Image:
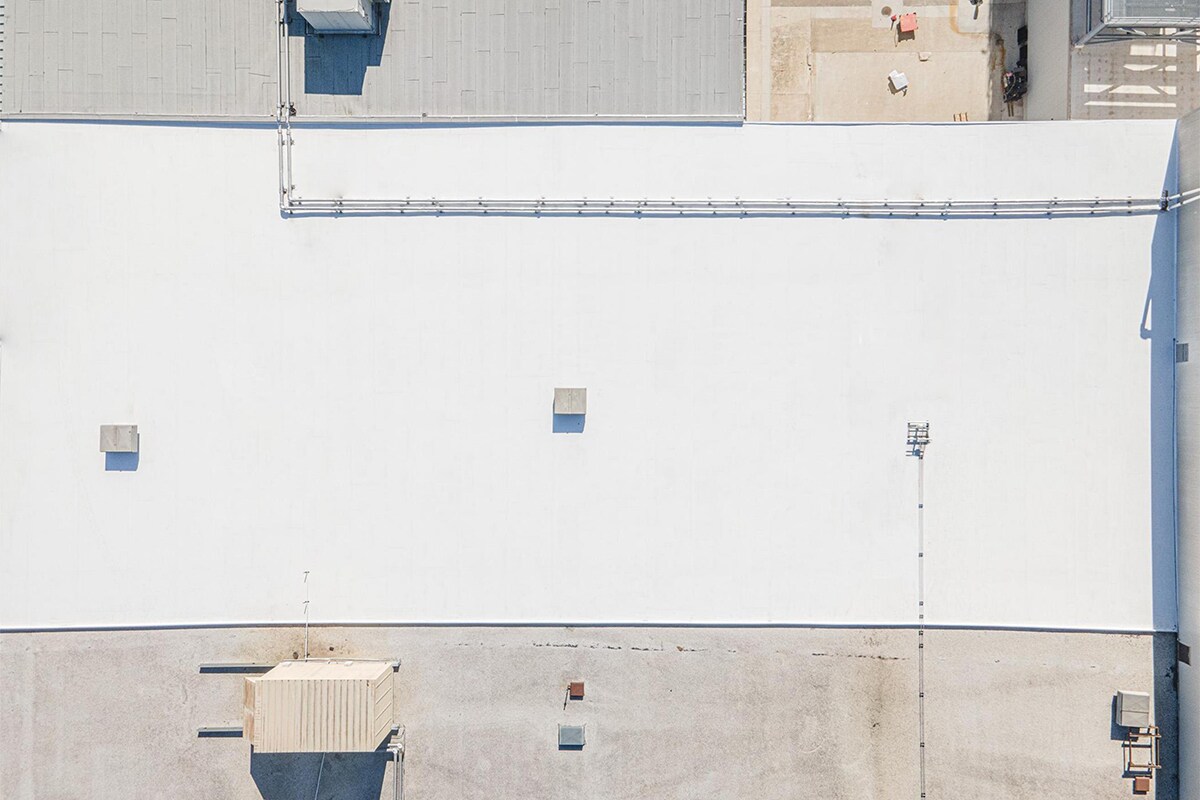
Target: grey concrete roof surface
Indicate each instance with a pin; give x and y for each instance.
(432, 58)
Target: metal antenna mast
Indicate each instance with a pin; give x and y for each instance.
(918, 440)
(306, 614)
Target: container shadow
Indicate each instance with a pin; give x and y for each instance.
(319, 776)
(338, 63)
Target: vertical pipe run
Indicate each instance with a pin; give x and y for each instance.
(286, 81)
(284, 109)
(280, 108)
(397, 749)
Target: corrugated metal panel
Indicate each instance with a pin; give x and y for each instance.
(1154, 9)
(436, 58)
(141, 57)
(320, 707)
(383, 712)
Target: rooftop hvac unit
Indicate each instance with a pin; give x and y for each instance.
(1133, 709)
(338, 16)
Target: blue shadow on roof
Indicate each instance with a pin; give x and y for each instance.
(120, 462)
(569, 423)
(337, 63)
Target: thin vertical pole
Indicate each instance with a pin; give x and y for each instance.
(305, 615)
(320, 772)
(921, 613)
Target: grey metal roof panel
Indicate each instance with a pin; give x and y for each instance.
(438, 58)
(1154, 9)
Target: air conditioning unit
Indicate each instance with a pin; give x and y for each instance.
(1133, 709)
(338, 16)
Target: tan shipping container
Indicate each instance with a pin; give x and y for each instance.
(319, 707)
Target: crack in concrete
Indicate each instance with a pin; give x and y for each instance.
(862, 655)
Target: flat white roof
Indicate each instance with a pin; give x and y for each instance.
(369, 399)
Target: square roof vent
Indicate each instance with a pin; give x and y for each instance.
(570, 401)
(118, 439)
(570, 736)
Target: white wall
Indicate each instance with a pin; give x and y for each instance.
(1188, 413)
(369, 399)
(1050, 49)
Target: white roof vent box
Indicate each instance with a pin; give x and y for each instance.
(118, 438)
(570, 401)
(339, 16)
(1133, 709)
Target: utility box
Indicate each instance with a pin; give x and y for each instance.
(118, 439)
(1133, 709)
(571, 736)
(338, 16)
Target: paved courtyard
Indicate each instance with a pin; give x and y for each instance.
(829, 60)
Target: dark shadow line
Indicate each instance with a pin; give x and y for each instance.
(219, 733)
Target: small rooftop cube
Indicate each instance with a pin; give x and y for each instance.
(570, 401)
(118, 438)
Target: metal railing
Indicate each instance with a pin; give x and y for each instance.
(292, 205)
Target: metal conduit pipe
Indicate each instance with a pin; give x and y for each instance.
(287, 111)
(290, 205)
(397, 751)
(737, 207)
(672, 204)
(281, 110)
